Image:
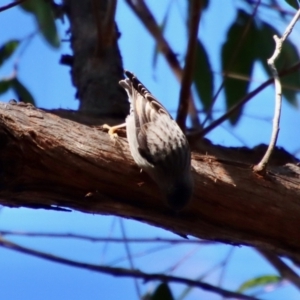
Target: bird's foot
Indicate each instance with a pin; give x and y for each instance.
(112, 130)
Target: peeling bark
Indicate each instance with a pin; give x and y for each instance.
(51, 162)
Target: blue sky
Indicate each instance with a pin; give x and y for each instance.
(25, 277)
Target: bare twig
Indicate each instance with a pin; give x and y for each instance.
(224, 265)
(261, 166)
(188, 71)
(122, 272)
(13, 4)
(273, 6)
(181, 261)
(129, 256)
(140, 8)
(283, 269)
(206, 274)
(106, 239)
(139, 254)
(244, 100)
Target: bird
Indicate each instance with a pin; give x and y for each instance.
(157, 144)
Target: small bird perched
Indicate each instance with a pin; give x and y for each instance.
(157, 144)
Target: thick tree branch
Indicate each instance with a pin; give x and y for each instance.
(50, 162)
(96, 62)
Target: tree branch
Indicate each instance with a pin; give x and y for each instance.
(122, 272)
(244, 100)
(104, 239)
(11, 5)
(144, 14)
(188, 71)
(261, 166)
(50, 162)
(231, 62)
(96, 63)
(283, 269)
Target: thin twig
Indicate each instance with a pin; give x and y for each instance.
(272, 6)
(11, 5)
(243, 101)
(140, 8)
(122, 272)
(141, 253)
(206, 274)
(182, 260)
(188, 71)
(283, 269)
(129, 256)
(261, 166)
(106, 239)
(224, 265)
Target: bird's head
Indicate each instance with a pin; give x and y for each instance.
(180, 192)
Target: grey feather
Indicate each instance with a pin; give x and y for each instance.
(157, 144)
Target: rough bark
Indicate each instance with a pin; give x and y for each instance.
(96, 62)
(51, 162)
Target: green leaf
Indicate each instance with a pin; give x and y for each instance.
(238, 57)
(162, 292)
(5, 85)
(293, 3)
(288, 56)
(259, 282)
(203, 77)
(43, 13)
(22, 92)
(8, 49)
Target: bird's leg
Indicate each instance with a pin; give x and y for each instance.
(112, 130)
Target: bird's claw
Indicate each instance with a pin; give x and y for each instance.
(111, 131)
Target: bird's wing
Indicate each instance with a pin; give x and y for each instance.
(153, 123)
